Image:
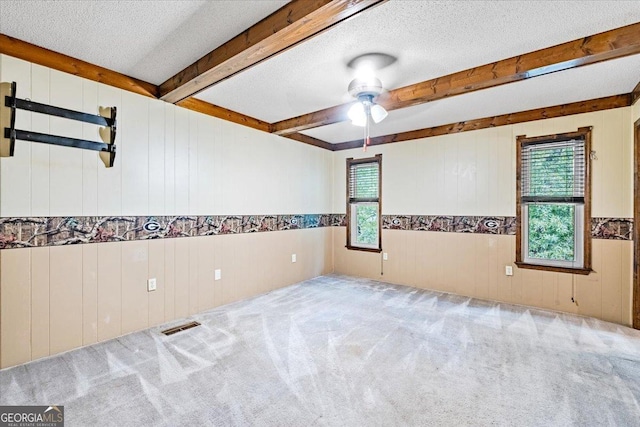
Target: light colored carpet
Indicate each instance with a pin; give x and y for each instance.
(342, 351)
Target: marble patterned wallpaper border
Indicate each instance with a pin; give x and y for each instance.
(54, 231)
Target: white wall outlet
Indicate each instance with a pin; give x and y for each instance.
(385, 256)
(293, 258)
(508, 270)
(217, 274)
(151, 285)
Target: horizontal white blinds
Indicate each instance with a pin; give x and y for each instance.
(553, 172)
(363, 182)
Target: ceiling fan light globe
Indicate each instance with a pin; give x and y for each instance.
(357, 114)
(378, 113)
(359, 122)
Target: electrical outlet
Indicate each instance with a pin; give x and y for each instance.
(508, 270)
(385, 256)
(293, 258)
(151, 285)
(217, 274)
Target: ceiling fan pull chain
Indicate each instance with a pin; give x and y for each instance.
(366, 142)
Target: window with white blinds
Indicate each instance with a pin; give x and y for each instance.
(363, 182)
(553, 197)
(553, 172)
(363, 204)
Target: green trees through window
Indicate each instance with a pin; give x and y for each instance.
(367, 223)
(551, 231)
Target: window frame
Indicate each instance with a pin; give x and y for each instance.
(583, 241)
(351, 162)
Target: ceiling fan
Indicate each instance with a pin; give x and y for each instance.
(366, 87)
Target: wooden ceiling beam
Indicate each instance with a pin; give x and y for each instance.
(306, 139)
(48, 58)
(613, 44)
(635, 94)
(607, 103)
(204, 107)
(294, 23)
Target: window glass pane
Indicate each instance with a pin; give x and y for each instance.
(367, 224)
(551, 231)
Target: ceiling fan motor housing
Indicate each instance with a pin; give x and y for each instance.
(365, 89)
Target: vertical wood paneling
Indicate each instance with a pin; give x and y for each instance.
(481, 266)
(40, 87)
(607, 142)
(496, 266)
(65, 301)
(134, 150)
(612, 255)
(15, 307)
(109, 290)
(550, 290)
(217, 284)
(192, 278)
(466, 172)
(39, 303)
(169, 160)
(89, 294)
(451, 167)
(90, 159)
(193, 165)
(626, 298)
(245, 278)
(157, 267)
(233, 177)
(206, 166)
(588, 289)
(15, 174)
(135, 301)
(507, 257)
(65, 163)
(156, 153)
(227, 258)
(169, 279)
(217, 139)
(627, 166)
(427, 177)
(181, 306)
(110, 179)
(181, 160)
(506, 167)
(265, 273)
(206, 254)
(483, 172)
(426, 266)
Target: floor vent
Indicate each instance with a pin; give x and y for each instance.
(180, 328)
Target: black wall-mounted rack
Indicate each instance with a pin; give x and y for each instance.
(9, 103)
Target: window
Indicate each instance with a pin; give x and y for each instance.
(363, 203)
(553, 202)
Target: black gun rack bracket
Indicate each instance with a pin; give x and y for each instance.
(9, 104)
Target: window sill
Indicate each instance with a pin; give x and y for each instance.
(583, 271)
(357, 248)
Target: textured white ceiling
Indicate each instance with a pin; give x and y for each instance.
(594, 81)
(153, 40)
(149, 40)
(430, 39)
